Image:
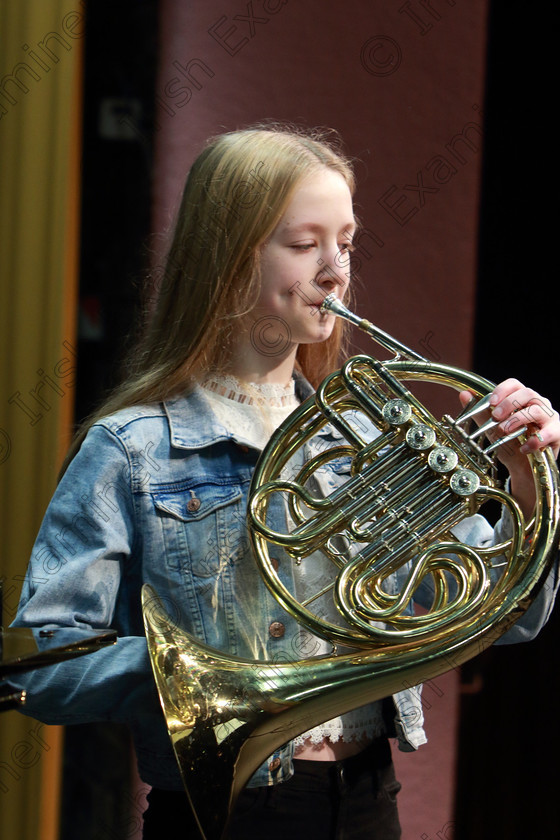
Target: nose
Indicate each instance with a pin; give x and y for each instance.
(334, 271)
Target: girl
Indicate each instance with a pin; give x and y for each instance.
(155, 487)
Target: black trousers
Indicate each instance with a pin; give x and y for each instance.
(354, 799)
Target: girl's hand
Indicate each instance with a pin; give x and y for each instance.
(514, 406)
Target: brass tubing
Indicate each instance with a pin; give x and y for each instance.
(226, 715)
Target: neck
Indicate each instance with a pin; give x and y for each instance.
(261, 369)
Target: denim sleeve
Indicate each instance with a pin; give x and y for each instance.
(83, 573)
(536, 616)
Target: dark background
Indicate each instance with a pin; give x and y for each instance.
(98, 799)
(508, 735)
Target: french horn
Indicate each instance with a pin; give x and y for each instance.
(409, 481)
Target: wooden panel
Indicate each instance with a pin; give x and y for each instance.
(40, 123)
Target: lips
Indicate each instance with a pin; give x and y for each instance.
(316, 308)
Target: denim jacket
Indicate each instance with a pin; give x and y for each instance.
(157, 494)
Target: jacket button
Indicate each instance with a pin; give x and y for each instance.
(276, 629)
(274, 764)
(193, 504)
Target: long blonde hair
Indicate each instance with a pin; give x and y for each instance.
(235, 194)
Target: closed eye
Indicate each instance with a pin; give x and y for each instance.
(303, 246)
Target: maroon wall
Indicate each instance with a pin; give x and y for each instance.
(403, 83)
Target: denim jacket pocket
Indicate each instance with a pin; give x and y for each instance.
(202, 523)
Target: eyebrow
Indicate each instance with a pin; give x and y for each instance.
(312, 226)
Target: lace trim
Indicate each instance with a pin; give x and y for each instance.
(363, 724)
(249, 411)
(251, 393)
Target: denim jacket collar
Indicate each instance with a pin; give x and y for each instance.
(185, 429)
(187, 432)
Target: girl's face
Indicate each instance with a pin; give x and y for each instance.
(305, 259)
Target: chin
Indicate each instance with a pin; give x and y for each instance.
(318, 336)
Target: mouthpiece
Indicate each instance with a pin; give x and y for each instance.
(332, 304)
(328, 301)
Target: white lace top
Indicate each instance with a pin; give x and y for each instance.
(253, 411)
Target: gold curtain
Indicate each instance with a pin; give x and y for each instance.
(40, 128)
